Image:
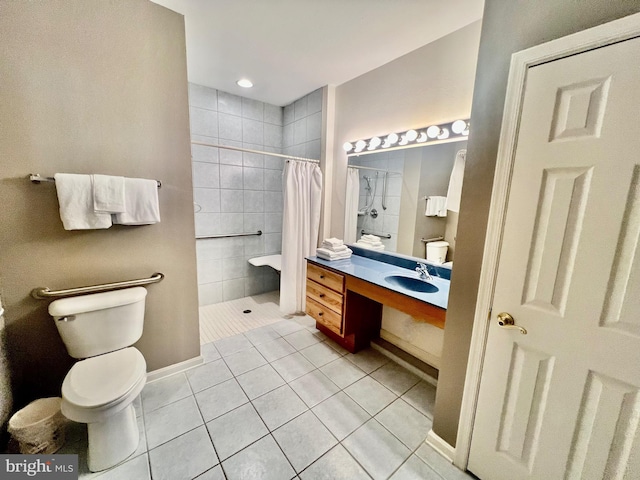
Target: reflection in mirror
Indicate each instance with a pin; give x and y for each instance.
(392, 191)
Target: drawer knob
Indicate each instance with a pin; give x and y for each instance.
(319, 314)
(321, 276)
(321, 295)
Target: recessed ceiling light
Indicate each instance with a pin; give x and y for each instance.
(245, 83)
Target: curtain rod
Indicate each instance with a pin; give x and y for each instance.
(369, 168)
(259, 152)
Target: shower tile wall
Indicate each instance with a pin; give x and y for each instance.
(387, 220)
(235, 192)
(303, 126)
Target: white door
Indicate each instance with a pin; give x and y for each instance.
(563, 401)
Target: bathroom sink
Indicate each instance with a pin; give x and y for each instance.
(411, 283)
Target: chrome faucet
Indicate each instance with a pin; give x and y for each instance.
(423, 271)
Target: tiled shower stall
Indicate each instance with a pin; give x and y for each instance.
(240, 192)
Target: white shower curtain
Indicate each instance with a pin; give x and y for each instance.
(302, 187)
(351, 206)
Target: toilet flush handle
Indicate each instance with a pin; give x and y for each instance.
(66, 318)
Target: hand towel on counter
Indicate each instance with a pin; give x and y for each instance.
(333, 242)
(108, 194)
(371, 242)
(334, 245)
(436, 207)
(331, 255)
(141, 202)
(75, 197)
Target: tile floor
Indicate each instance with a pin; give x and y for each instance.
(281, 402)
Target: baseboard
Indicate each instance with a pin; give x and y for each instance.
(175, 368)
(416, 366)
(440, 446)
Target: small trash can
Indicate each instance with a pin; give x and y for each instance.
(39, 427)
(437, 251)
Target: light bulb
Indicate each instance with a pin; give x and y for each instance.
(466, 130)
(347, 146)
(392, 138)
(458, 126)
(433, 131)
(386, 144)
(360, 144)
(374, 143)
(444, 133)
(403, 140)
(422, 137)
(411, 135)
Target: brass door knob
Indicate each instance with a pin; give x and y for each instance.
(505, 320)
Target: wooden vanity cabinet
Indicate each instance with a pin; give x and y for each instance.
(351, 320)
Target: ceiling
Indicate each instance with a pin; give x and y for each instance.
(289, 48)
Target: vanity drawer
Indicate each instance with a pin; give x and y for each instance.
(325, 277)
(324, 315)
(325, 296)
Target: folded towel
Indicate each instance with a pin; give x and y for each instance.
(75, 197)
(141, 200)
(330, 255)
(370, 238)
(108, 194)
(371, 241)
(334, 242)
(370, 246)
(340, 248)
(436, 206)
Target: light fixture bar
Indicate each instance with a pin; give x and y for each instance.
(440, 133)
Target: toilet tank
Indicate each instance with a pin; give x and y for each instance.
(91, 325)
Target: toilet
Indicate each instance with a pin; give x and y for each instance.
(99, 390)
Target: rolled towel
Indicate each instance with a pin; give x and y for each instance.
(75, 197)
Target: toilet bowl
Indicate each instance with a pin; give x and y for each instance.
(99, 390)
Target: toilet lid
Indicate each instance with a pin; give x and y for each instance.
(98, 381)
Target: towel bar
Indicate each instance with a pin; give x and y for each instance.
(36, 178)
(42, 293)
(381, 235)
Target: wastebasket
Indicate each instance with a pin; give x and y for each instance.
(437, 251)
(39, 427)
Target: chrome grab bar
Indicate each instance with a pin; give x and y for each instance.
(227, 235)
(434, 239)
(42, 293)
(381, 235)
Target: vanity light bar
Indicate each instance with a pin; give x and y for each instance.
(433, 133)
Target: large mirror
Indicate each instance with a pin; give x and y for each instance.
(400, 195)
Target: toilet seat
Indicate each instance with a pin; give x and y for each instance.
(98, 382)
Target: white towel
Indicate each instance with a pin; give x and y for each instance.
(330, 255)
(339, 248)
(455, 182)
(370, 246)
(75, 197)
(436, 206)
(141, 200)
(334, 242)
(108, 194)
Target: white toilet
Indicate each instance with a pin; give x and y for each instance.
(99, 390)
